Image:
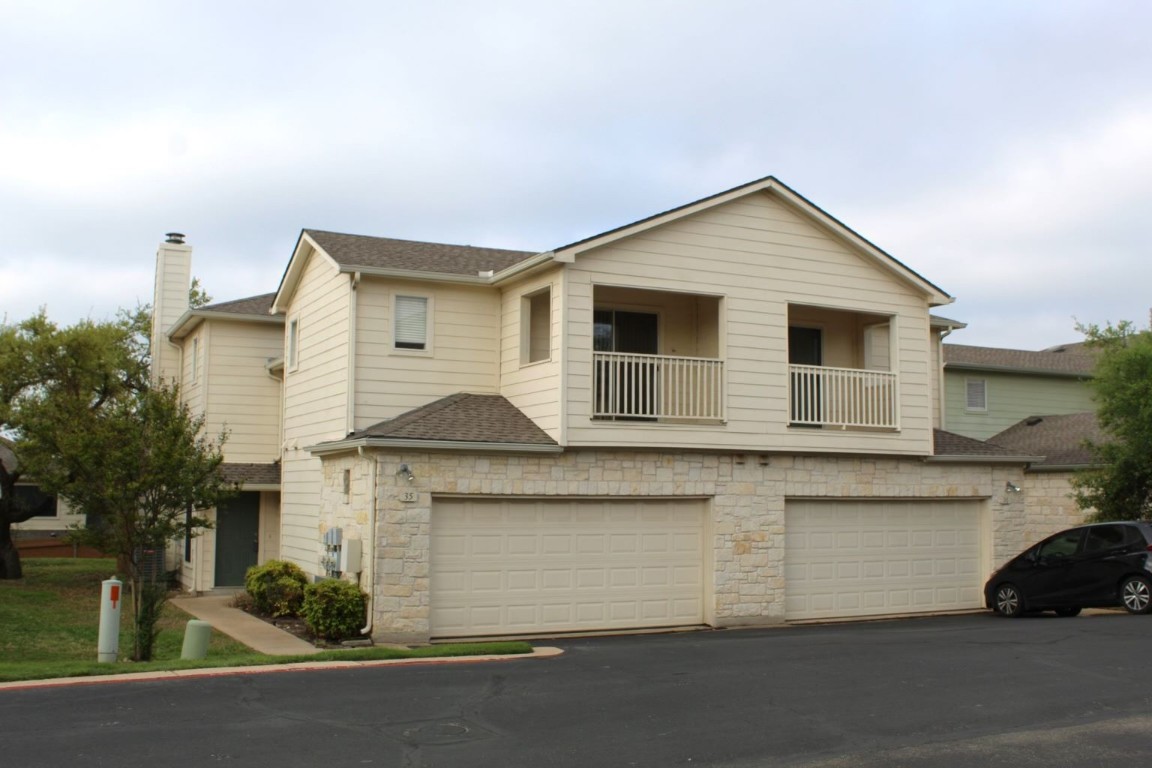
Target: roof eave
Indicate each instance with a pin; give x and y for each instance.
(1013, 369)
(481, 278)
(342, 446)
(964, 459)
(290, 280)
(193, 317)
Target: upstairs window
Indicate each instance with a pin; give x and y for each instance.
(292, 355)
(976, 395)
(536, 327)
(195, 373)
(411, 323)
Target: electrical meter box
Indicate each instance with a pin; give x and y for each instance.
(350, 555)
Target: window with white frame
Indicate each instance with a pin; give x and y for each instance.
(536, 326)
(976, 394)
(292, 354)
(410, 323)
(194, 373)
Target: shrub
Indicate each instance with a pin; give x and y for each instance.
(334, 610)
(276, 587)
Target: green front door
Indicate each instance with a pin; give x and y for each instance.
(237, 538)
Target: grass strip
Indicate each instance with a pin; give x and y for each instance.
(50, 622)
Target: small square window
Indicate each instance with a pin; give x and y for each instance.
(411, 323)
(536, 327)
(976, 394)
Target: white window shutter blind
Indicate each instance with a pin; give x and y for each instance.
(411, 322)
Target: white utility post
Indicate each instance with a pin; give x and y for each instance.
(108, 647)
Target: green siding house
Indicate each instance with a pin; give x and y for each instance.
(987, 390)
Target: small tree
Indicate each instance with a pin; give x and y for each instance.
(1119, 486)
(136, 469)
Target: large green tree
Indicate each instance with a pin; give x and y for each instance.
(80, 369)
(1119, 485)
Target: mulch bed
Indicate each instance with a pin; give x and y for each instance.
(291, 624)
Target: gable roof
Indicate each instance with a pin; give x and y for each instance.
(251, 308)
(937, 296)
(1059, 439)
(949, 446)
(486, 266)
(462, 420)
(1054, 361)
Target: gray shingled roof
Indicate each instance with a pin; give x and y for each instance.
(252, 305)
(386, 253)
(462, 418)
(1074, 362)
(951, 444)
(1059, 439)
(251, 474)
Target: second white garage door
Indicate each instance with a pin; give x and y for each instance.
(872, 558)
(511, 566)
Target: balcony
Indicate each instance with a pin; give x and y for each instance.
(842, 397)
(633, 386)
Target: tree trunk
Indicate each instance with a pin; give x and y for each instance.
(10, 567)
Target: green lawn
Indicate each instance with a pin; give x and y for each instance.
(50, 621)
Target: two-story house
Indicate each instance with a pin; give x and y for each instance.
(724, 414)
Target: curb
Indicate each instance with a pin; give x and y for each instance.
(304, 666)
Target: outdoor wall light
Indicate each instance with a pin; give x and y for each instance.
(1011, 487)
(406, 473)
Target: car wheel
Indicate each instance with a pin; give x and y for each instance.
(1008, 601)
(1067, 612)
(1136, 594)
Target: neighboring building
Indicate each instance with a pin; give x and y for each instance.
(988, 389)
(725, 414)
(52, 516)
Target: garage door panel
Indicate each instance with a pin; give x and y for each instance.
(888, 557)
(506, 566)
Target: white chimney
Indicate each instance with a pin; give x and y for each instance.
(169, 302)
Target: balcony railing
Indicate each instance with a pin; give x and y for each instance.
(842, 397)
(630, 386)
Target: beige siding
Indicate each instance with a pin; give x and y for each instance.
(762, 257)
(193, 384)
(463, 355)
(315, 402)
(242, 397)
(534, 388)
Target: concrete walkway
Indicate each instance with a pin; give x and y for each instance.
(255, 633)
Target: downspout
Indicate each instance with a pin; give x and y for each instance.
(941, 388)
(350, 415)
(370, 567)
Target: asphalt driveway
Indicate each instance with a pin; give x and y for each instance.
(964, 690)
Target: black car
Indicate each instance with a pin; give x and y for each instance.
(1093, 566)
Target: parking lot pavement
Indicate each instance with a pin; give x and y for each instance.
(961, 690)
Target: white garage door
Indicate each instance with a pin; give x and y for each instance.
(503, 566)
(847, 558)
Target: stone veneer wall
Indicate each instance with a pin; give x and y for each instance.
(748, 493)
(1049, 505)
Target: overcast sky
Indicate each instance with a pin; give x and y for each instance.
(1003, 149)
